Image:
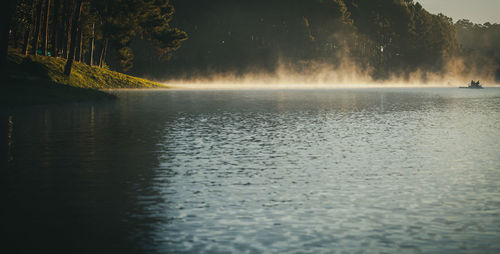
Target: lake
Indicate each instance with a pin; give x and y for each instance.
(397, 170)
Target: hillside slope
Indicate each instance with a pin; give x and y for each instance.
(40, 80)
(82, 75)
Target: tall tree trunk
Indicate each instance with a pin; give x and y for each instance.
(15, 37)
(100, 56)
(26, 41)
(81, 46)
(55, 28)
(64, 24)
(46, 33)
(38, 25)
(69, 25)
(77, 47)
(68, 38)
(31, 28)
(76, 21)
(63, 36)
(92, 43)
(4, 29)
(103, 53)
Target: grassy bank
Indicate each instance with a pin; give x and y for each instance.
(40, 80)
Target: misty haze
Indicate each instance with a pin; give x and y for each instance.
(231, 126)
(325, 42)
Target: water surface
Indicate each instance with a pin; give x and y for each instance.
(310, 171)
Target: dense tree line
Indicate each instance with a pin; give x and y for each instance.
(480, 45)
(385, 38)
(90, 30)
(5, 25)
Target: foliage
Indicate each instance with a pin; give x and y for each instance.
(147, 19)
(112, 24)
(385, 37)
(480, 44)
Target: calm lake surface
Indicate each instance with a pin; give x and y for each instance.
(413, 170)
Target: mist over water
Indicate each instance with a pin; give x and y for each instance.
(339, 42)
(348, 74)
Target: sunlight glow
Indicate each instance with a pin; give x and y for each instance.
(347, 75)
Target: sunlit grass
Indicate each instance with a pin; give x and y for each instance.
(82, 75)
(40, 80)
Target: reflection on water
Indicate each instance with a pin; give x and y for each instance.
(385, 170)
(10, 128)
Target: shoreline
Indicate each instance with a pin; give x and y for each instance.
(39, 80)
(236, 86)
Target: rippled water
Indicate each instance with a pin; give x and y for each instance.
(307, 171)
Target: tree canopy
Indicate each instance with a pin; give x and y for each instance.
(71, 29)
(383, 38)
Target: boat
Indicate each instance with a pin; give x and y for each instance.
(473, 85)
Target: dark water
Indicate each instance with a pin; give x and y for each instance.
(306, 171)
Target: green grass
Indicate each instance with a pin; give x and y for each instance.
(40, 80)
(82, 75)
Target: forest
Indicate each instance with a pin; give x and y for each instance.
(92, 31)
(163, 39)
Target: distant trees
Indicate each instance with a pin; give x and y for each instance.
(74, 33)
(86, 30)
(384, 37)
(241, 36)
(5, 23)
(480, 45)
(402, 36)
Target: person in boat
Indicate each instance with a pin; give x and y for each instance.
(474, 84)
